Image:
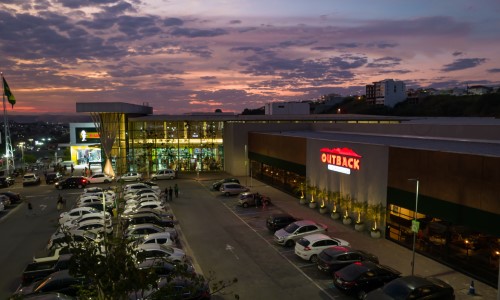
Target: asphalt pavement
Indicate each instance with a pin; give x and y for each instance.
(389, 253)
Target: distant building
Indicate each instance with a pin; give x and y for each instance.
(288, 108)
(387, 92)
(478, 90)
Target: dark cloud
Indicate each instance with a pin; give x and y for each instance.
(84, 3)
(235, 22)
(195, 32)
(384, 62)
(382, 45)
(348, 61)
(173, 22)
(494, 70)
(463, 63)
(457, 53)
(208, 77)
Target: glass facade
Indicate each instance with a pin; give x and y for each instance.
(177, 145)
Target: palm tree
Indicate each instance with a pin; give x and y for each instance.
(346, 203)
(313, 191)
(376, 212)
(359, 207)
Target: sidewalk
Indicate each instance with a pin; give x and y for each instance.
(389, 253)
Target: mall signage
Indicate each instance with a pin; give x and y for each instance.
(85, 135)
(342, 160)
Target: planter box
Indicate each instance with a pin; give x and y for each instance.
(359, 226)
(347, 221)
(313, 204)
(335, 215)
(323, 210)
(375, 234)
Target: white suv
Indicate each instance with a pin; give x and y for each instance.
(30, 179)
(164, 174)
(309, 247)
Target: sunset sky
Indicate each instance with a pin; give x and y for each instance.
(182, 56)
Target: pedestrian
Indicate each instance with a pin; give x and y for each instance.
(176, 190)
(72, 169)
(166, 194)
(30, 209)
(59, 202)
(170, 191)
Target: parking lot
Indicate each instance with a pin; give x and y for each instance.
(226, 239)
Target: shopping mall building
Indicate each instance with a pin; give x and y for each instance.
(445, 172)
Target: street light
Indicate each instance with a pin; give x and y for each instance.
(414, 226)
(21, 146)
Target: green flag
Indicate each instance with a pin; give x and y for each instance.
(8, 93)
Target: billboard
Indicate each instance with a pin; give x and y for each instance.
(86, 135)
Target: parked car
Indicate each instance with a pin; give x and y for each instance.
(362, 277)
(98, 216)
(75, 213)
(309, 246)
(172, 254)
(99, 207)
(53, 177)
(14, 197)
(72, 182)
(164, 174)
(162, 238)
(152, 185)
(335, 258)
(155, 206)
(253, 199)
(99, 178)
(130, 176)
(2, 206)
(38, 270)
(30, 179)
(52, 255)
(228, 189)
(61, 239)
(5, 201)
(414, 287)
(216, 185)
(141, 218)
(177, 288)
(60, 281)
(95, 226)
(6, 181)
(289, 235)
(140, 230)
(278, 221)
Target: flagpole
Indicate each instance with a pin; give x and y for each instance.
(8, 146)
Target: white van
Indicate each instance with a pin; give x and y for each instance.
(164, 174)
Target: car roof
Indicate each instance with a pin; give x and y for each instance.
(305, 222)
(146, 225)
(158, 235)
(316, 237)
(414, 281)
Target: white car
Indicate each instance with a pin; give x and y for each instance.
(92, 216)
(95, 226)
(60, 239)
(162, 238)
(75, 213)
(135, 195)
(92, 199)
(172, 254)
(294, 231)
(231, 188)
(52, 255)
(309, 246)
(143, 198)
(99, 178)
(150, 205)
(130, 176)
(140, 230)
(163, 174)
(135, 186)
(142, 204)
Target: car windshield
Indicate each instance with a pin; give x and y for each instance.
(303, 242)
(397, 290)
(352, 272)
(291, 228)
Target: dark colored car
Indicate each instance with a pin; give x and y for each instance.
(278, 221)
(72, 182)
(362, 277)
(14, 197)
(60, 281)
(6, 181)
(52, 177)
(414, 287)
(216, 185)
(337, 257)
(141, 218)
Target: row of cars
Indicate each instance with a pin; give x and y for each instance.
(145, 226)
(353, 271)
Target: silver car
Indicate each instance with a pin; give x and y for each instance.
(289, 235)
(231, 188)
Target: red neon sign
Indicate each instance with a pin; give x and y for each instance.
(341, 157)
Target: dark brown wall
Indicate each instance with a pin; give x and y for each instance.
(463, 179)
(292, 149)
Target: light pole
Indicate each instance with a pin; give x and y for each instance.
(21, 146)
(414, 225)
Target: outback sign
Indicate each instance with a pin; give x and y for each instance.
(342, 160)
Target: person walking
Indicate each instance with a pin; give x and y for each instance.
(30, 209)
(176, 190)
(170, 191)
(59, 202)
